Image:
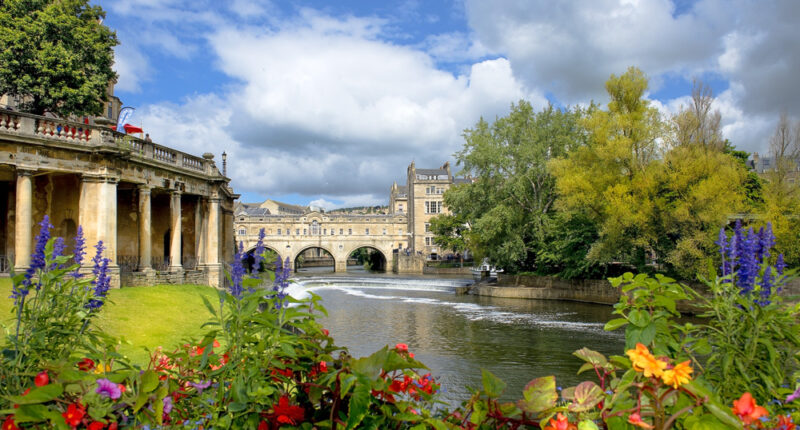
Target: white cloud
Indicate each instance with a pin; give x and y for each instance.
(325, 108)
(132, 67)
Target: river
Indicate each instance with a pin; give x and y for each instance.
(456, 336)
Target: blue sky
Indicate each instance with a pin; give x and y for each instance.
(328, 102)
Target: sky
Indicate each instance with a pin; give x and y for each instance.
(327, 103)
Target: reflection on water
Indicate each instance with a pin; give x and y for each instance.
(456, 336)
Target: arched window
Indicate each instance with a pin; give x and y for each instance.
(315, 228)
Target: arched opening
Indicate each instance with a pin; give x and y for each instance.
(366, 259)
(267, 263)
(314, 260)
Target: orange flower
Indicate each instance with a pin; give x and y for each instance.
(747, 409)
(678, 375)
(560, 422)
(644, 361)
(636, 420)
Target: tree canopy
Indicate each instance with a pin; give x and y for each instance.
(55, 56)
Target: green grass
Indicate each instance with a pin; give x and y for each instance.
(162, 315)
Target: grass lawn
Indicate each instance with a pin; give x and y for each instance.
(162, 315)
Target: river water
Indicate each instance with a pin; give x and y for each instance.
(456, 336)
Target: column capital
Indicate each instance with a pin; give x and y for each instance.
(175, 192)
(144, 188)
(21, 171)
(105, 179)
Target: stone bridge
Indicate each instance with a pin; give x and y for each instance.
(338, 234)
(163, 215)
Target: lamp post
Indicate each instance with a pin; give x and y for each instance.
(224, 164)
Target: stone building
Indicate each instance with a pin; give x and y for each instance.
(423, 195)
(164, 215)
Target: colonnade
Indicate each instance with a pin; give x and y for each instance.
(97, 215)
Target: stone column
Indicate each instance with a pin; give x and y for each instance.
(23, 230)
(97, 214)
(175, 239)
(211, 240)
(145, 232)
(339, 265)
(199, 232)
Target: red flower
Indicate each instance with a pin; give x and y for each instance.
(286, 414)
(96, 425)
(747, 409)
(86, 364)
(636, 420)
(785, 423)
(325, 332)
(113, 426)
(9, 424)
(323, 366)
(41, 379)
(121, 388)
(216, 344)
(74, 414)
(262, 425)
(401, 347)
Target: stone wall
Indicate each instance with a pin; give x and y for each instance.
(447, 270)
(141, 279)
(407, 263)
(582, 290)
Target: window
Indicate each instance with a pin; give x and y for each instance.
(400, 231)
(341, 231)
(324, 231)
(400, 208)
(428, 241)
(384, 231)
(433, 207)
(427, 227)
(297, 232)
(279, 232)
(242, 232)
(367, 232)
(349, 231)
(315, 228)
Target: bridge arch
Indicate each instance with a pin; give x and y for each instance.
(326, 259)
(381, 260)
(248, 258)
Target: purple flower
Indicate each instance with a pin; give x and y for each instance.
(237, 272)
(108, 389)
(780, 265)
(282, 273)
(722, 242)
(79, 252)
(167, 405)
(37, 261)
(58, 250)
(101, 281)
(258, 253)
(200, 386)
(794, 396)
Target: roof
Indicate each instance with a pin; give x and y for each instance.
(431, 172)
(462, 180)
(256, 211)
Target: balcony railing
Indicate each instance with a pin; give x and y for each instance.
(76, 133)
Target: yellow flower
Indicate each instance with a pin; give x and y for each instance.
(678, 375)
(644, 361)
(102, 368)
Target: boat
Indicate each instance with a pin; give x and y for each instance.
(485, 266)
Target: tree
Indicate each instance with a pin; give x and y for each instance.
(782, 190)
(55, 56)
(510, 202)
(609, 181)
(450, 232)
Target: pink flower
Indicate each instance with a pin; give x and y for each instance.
(401, 347)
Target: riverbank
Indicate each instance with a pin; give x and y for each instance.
(597, 291)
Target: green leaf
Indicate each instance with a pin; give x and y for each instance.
(587, 396)
(38, 395)
(591, 356)
(587, 425)
(359, 404)
(347, 381)
(639, 318)
(149, 381)
(492, 385)
(539, 395)
(236, 407)
(615, 324)
(371, 366)
(208, 304)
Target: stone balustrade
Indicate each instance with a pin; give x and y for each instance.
(59, 130)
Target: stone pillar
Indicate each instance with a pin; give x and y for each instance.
(212, 265)
(199, 232)
(339, 265)
(145, 233)
(175, 229)
(97, 214)
(23, 226)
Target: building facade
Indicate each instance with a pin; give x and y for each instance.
(163, 215)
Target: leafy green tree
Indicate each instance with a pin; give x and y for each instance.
(450, 232)
(509, 205)
(55, 55)
(782, 191)
(610, 180)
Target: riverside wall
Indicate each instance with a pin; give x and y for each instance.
(579, 290)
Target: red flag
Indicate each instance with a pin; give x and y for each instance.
(132, 129)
